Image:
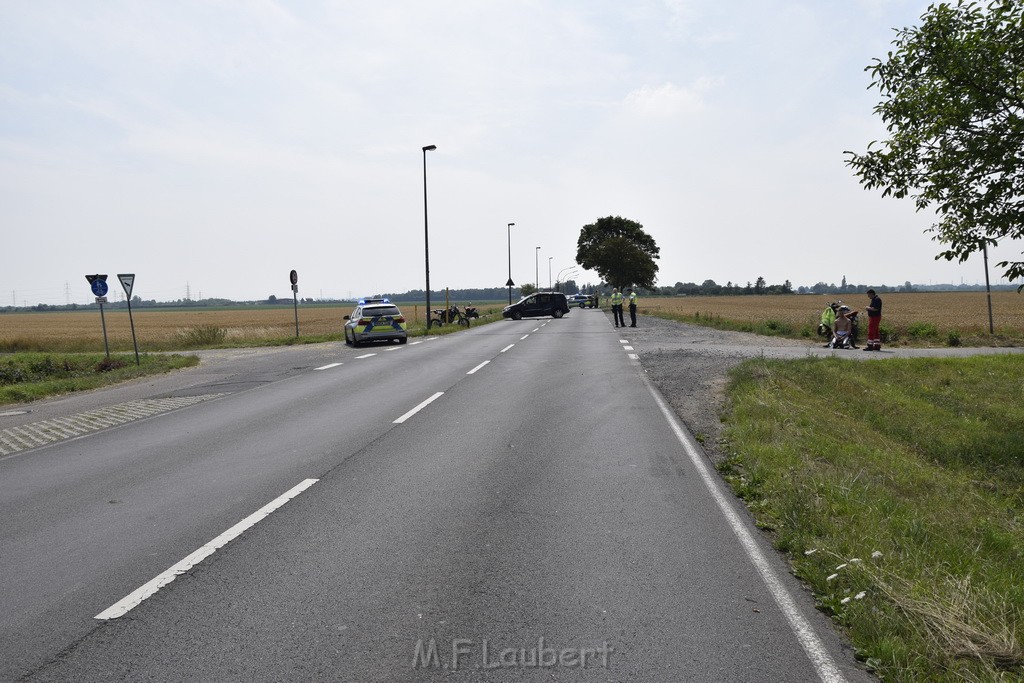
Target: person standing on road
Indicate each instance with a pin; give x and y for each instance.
(632, 307)
(617, 308)
(874, 310)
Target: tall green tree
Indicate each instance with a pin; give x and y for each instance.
(620, 251)
(953, 103)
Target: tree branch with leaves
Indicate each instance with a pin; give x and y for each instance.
(953, 104)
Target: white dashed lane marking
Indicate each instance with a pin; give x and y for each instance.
(473, 371)
(146, 590)
(328, 366)
(523, 337)
(418, 408)
(365, 355)
(506, 348)
(627, 347)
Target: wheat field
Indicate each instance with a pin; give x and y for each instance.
(965, 313)
(156, 329)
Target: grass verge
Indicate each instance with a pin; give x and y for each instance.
(897, 489)
(31, 376)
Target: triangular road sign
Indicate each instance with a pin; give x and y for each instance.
(510, 283)
(127, 281)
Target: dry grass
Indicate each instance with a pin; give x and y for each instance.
(965, 313)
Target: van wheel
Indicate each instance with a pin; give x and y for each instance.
(517, 315)
(558, 313)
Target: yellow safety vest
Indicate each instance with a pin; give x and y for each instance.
(616, 299)
(633, 299)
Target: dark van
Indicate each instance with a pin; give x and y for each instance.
(536, 305)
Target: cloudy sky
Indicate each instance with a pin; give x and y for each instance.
(211, 146)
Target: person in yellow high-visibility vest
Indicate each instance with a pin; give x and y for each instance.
(617, 308)
(632, 307)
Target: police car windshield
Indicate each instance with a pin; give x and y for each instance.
(383, 309)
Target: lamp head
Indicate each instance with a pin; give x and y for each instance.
(430, 148)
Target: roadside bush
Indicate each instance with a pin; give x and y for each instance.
(954, 338)
(920, 330)
(108, 364)
(44, 367)
(888, 333)
(201, 335)
(12, 374)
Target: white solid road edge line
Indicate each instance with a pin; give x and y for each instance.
(418, 408)
(133, 599)
(328, 366)
(478, 367)
(815, 649)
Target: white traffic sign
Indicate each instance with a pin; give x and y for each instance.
(127, 281)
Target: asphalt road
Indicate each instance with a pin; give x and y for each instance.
(543, 517)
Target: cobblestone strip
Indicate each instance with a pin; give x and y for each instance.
(24, 437)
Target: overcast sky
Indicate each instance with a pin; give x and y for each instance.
(211, 146)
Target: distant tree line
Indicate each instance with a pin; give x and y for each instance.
(706, 288)
(712, 288)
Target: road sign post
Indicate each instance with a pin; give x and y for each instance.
(98, 284)
(293, 277)
(128, 281)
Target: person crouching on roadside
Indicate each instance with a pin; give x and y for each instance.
(843, 326)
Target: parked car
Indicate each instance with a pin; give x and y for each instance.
(582, 300)
(375, 319)
(536, 305)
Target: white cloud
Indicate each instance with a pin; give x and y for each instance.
(667, 100)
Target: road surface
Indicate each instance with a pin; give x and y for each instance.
(514, 502)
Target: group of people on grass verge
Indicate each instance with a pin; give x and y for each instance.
(839, 324)
(617, 307)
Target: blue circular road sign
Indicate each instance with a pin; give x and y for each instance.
(99, 287)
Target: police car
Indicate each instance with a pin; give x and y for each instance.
(375, 319)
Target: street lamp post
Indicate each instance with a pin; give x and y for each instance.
(426, 233)
(536, 269)
(549, 272)
(571, 270)
(509, 283)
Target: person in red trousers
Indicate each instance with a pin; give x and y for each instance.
(874, 310)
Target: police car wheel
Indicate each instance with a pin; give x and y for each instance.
(347, 340)
(402, 340)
